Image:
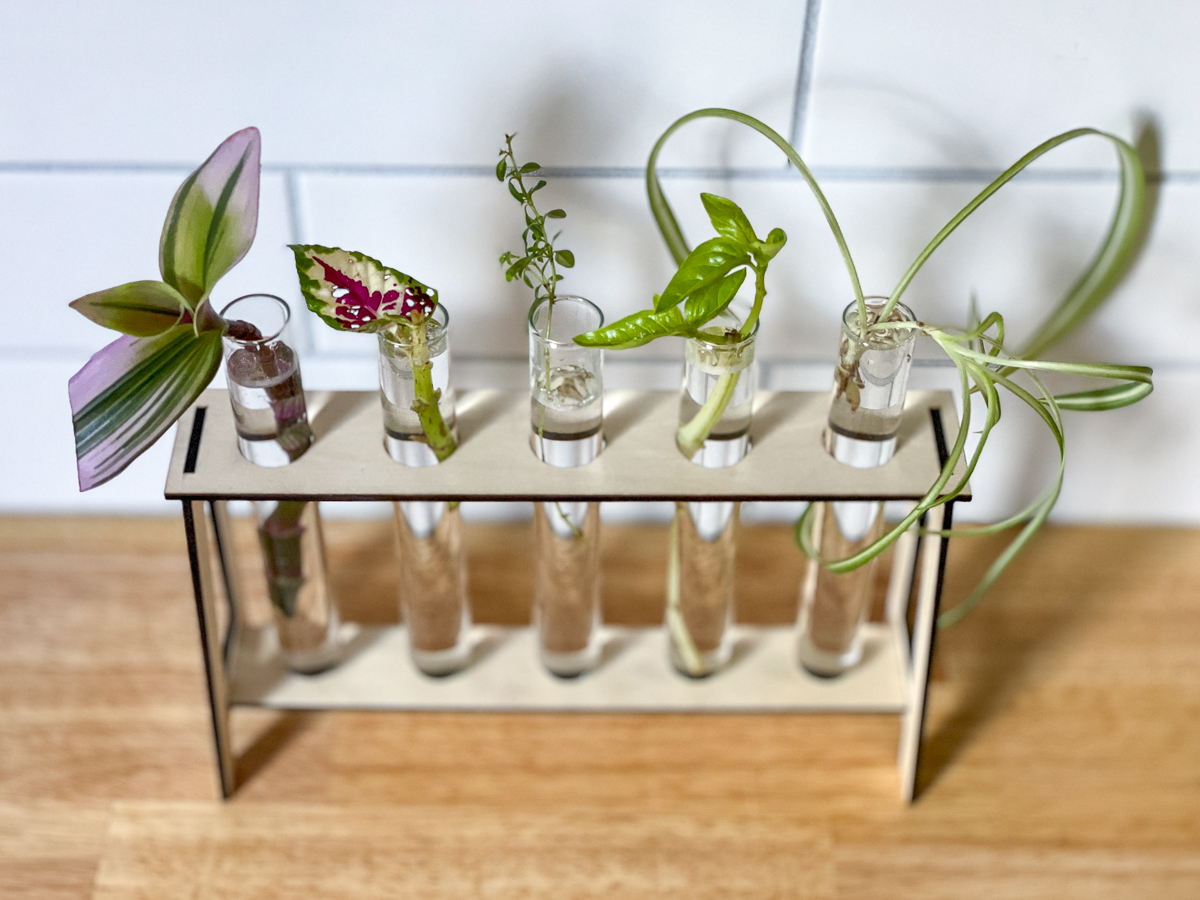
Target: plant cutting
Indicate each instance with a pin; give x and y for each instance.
(134, 389)
(351, 291)
(271, 422)
(715, 406)
(978, 351)
(566, 388)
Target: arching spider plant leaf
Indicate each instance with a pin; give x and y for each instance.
(213, 217)
(140, 308)
(132, 391)
(351, 291)
(1105, 271)
(664, 216)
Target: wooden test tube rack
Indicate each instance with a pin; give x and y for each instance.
(494, 462)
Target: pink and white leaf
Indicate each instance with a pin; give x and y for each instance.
(354, 292)
(132, 391)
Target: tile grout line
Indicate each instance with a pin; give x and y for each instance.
(804, 72)
(291, 187)
(916, 174)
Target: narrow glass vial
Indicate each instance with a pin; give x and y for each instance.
(719, 381)
(265, 389)
(271, 420)
(870, 383)
(433, 577)
(306, 618)
(566, 388)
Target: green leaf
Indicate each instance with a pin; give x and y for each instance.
(213, 217)
(140, 308)
(765, 251)
(556, 214)
(637, 329)
(728, 219)
(516, 192)
(501, 169)
(707, 264)
(132, 391)
(529, 168)
(537, 187)
(515, 270)
(564, 258)
(713, 299)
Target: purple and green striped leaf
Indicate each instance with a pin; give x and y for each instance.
(140, 308)
(213, 218)
(132, 391)
(353, 292)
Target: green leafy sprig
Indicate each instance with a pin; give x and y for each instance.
(538, 268)
(978, 352)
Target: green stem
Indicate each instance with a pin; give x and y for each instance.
(691, 436)
(676, 624)
(425, 396)
(760, 293)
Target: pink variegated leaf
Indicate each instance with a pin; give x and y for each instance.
(353, 292)
(132, 391)
(213, 217)
(140, 308)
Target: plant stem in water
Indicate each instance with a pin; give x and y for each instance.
(280, 536)
(426, 397)
(675, 621)
(691, 436)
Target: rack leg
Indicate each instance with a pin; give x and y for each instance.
(230, 578)
(200, 555)
(929, 592)
(900, 582)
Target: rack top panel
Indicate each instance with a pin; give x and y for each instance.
(495, 461)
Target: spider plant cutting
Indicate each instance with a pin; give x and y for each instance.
(566, 388)
(978, 351)
(134, 389)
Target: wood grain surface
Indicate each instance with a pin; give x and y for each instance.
(1063, 750)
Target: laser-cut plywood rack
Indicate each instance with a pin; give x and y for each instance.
(494, 462)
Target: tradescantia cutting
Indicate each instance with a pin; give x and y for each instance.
(351, 291)
(134, 389)
(978, 351)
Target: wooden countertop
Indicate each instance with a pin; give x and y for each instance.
(1064, 743)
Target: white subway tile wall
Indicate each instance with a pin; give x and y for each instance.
(382, 137)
